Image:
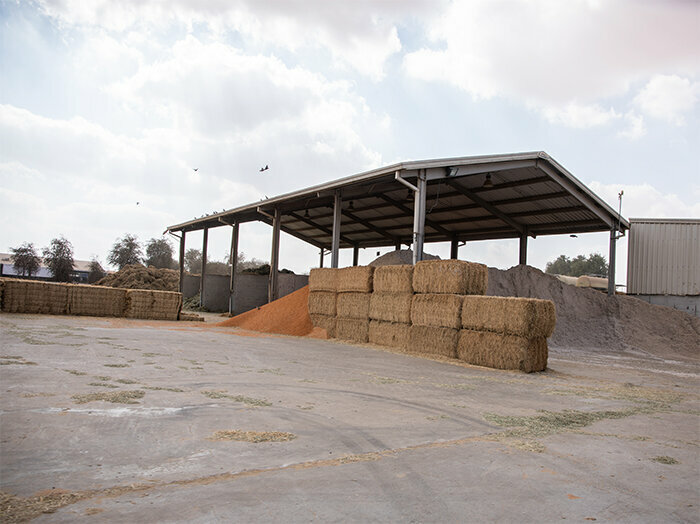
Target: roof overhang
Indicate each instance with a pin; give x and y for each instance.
(530, 194)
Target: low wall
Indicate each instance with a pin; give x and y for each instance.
(687, 304)
(250, 290)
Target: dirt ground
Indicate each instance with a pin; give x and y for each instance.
(131, 421)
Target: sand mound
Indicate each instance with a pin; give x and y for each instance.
(398, 258)
(140, 277)
(288, 315)
(590, 319)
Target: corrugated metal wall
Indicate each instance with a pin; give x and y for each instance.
(664, 257)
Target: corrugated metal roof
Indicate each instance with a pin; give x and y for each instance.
(664, 257)
(530, 192)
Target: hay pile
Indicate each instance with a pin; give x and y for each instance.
(139, 277)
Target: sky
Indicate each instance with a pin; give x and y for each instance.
(107, 107)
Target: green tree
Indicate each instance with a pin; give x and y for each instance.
(58, 257)
(125, 251)
(159, 253)
(96, 273)
(593, 264)
(25, 259)
(193, 260)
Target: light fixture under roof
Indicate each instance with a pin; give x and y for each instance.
(306, 214)
(352, 205)
(487, 181)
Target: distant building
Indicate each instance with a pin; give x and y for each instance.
(81, 268)
(663, 264)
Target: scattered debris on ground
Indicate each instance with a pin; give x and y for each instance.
(255, 437)
(137, 276)
(118, 397)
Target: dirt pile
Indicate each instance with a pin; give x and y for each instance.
(590, 319)
(398, 258)
(288, 315)
(141, 277)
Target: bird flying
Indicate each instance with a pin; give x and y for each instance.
(195, 169)
(264, 168)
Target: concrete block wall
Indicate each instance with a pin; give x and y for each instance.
(251, 290)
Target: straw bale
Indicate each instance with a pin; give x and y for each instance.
(389, 334)
(2, 290)
(391, 307)
(326, 322)
(353, 305)
(435, 340)
(352, 329)
(496, 350)
(96, 301)
(526, 317)
(323, 279)
(166, 305)
(322, 303)
(393, 279)
(355, 279)
(450, 276)
(32, 296)
(437, 310)
(139, 303)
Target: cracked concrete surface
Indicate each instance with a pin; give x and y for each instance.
(380, 436)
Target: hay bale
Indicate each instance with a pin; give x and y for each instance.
(356, 279)
(139, 303)
(322, 303)
(496, 350)
(353, 305)
(326, 322)
(96, 301)
(2, 290)
(435, 340)
(323, 279)
(391, 307)
(389, 334)
(393, 279)
(437, 310)
(525, 317)
(33, 296)
(352, 329)
(450, 276)
(166, 305)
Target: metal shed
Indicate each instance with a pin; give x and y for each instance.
(452, 200)
(663, 264)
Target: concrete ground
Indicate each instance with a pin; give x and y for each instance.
(363, 434)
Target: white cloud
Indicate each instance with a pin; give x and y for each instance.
(360, 35)
(635, 126)
(564, 55)
(646, 201)
(668, 97)
(580, 116)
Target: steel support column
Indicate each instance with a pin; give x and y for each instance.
(611, 262)
(234, 262)
(182, 263)
(454, 249)
(273, 285)
(335, 247)
(397, 247)
(523, 250)
(419, 217)
(355, 255)
(320, 263)
(205, 240)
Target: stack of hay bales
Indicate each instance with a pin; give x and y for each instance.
(152, 305)
(440, 287)
(390, 306)
(506, 332)
(355, 286)
(32, 296)
(96, 301)
(323, 287)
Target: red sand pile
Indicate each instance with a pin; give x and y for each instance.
(288, 315)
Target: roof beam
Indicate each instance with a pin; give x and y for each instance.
(315, 226)
(488, 207)
(430, 223)
(368, 225)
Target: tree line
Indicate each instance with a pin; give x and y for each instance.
(58, 258)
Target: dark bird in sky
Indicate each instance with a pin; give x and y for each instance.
(137, 203)
(264, 168)
(195, 169)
